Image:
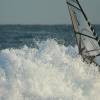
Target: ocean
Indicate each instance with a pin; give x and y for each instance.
(41, 62)
(16, 36)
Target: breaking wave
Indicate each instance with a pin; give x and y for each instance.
(51, 72)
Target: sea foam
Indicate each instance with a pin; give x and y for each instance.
(49, 72)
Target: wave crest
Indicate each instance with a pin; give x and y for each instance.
(51, 72)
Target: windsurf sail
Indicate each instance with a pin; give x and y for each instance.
(87, 40)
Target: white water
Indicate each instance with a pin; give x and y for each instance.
(52, 72)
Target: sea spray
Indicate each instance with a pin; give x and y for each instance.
(49, 72)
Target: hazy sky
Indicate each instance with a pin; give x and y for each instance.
(44, 11)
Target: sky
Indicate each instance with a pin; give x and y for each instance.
(44, 11)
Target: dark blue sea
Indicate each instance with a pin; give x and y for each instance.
(16, 36)
(41, 62)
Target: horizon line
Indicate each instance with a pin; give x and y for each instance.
(41, 24)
